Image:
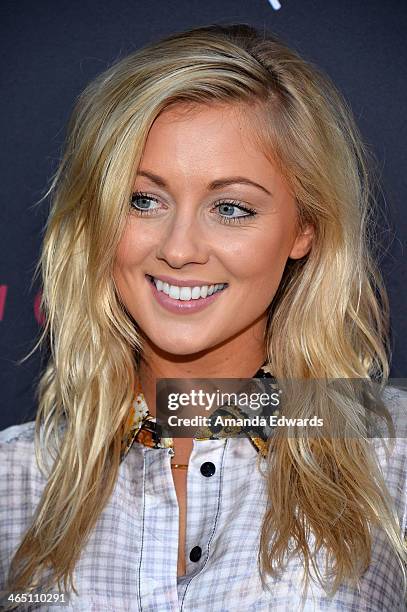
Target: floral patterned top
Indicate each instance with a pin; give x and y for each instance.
(143, 428)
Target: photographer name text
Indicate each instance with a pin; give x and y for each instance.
(255, 421)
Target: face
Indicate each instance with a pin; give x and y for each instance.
(209, 210)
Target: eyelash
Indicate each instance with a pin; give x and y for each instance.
(226, 220)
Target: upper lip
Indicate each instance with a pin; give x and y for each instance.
(184, 282)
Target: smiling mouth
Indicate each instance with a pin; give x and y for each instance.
(200, 292)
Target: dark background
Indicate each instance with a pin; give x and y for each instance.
(51, 50)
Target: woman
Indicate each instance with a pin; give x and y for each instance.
(209, 220)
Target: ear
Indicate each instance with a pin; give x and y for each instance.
(303, 242)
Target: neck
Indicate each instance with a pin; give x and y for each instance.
(237, 358)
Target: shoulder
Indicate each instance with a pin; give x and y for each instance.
(21, 480)
(391, 452)
(395, 400)
(17, 454)
(21, 486)
(17, 433)
(17, 441)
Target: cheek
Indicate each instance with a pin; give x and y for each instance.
(260, 260)
(133, 247)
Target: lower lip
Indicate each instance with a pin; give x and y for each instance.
(182, 306)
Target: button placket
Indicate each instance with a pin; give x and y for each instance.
(208, 469)
(195, 554)
(203, 490)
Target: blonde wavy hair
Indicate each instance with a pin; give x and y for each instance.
(329, 318)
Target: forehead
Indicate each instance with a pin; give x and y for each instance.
(210, 112)
(208, 137)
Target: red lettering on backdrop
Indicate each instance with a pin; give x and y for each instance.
(37, 310)
(3, 295)
(37, 305)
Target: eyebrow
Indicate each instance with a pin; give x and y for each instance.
(217, 184)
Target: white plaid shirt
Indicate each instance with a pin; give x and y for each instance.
(130, 561)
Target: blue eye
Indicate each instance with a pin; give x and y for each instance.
(230, 205)
(141, 204)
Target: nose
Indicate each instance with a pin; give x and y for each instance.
(183, 241)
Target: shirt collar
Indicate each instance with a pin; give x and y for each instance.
(142, 428)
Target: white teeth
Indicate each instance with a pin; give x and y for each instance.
(174, 292)
(187, 293)
(196, 293)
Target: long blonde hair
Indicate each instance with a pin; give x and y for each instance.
(329, 318)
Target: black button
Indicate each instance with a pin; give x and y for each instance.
(208, 468)
(195, 553)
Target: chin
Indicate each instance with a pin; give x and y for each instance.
(183, 348)
(180, 345)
